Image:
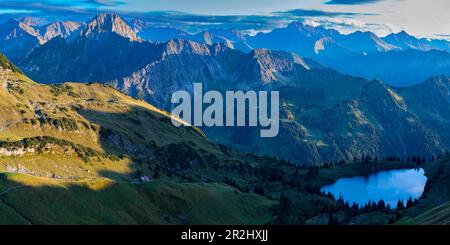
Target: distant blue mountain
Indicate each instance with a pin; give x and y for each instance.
(153, 33)
(326, 116)
(302, 39)
(397, 68)
(310, 41)
(398, 59)
(149, 32)
(405, 41)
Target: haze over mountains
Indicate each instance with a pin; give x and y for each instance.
(363, 53)
(92, 148)
(327, 116)
(347, 53)
(358, 53)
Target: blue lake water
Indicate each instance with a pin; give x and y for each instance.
(390, 186)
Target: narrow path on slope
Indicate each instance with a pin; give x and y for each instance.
(8, 125)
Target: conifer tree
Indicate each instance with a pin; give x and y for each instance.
(400, 205)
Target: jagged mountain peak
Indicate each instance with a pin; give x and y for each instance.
(109, 23)
(367, 42)
(266, 56)
(406, 41)
(359, 32)
(137, 21)
(274, 56)
(180, 46)
(13, 28)
(30, 21)
(261, 53)
(138, 25)
(299, 25)
(230, 34)
(266, 66)
(365, 34)
(59, 28)
(310, 30)
(402, 35)
(177, 46)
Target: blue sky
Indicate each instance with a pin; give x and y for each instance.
(420, 17)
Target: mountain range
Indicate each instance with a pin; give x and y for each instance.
(414, 59)
(338, 117)
(94, 134)
(397, 59)
(360, 53)
(18, 38)
(113, 159)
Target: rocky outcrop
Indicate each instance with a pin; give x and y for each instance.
(66, 29)
(15, 151)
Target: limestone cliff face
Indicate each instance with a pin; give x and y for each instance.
(66, 29)
(107, 23)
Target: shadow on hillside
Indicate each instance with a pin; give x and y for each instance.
(102, 202)
(158, 150)
(151, 141)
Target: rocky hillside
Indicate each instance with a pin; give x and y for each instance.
(326, 116)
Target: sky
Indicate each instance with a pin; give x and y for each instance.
(423, 18)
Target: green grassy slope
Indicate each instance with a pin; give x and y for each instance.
(71, 154)
(101, 201)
